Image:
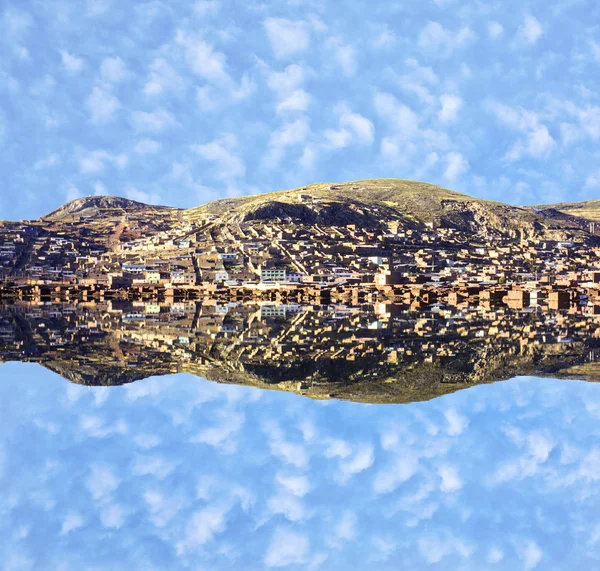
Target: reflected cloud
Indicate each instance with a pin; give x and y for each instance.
(180, 473)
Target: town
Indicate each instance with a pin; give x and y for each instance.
(303, 248)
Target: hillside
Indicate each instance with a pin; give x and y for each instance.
(588, 210)
(92, 205)
(370, 202)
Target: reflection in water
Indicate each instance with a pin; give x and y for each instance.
(178, 473)
(370, 353)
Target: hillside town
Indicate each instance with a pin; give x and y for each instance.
(113, 253)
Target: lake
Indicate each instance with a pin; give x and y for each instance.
(177, 472)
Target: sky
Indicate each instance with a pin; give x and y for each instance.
(183, 102)
(180, 473)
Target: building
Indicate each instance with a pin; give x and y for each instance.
(388, 278)
(273, 275)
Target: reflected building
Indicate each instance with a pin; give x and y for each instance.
(382, 353)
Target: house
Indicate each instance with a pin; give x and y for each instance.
(273, 275)
(152, 277)
(388, 278)
(302, 197)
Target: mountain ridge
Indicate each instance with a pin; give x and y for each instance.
(410, 199)
(88, 204)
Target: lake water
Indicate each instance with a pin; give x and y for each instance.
(176, 472)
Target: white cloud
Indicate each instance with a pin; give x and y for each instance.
(595, 49)
(287, 84)
(113, 70)
(289, 134)
(435, 38)
(51, 160)
(495, 555)
(384, 39)
(592, 181)
(531, 554)
(434, 549)
(451, 480)
(244, 90)
(147, 147)
(287, 505)
(287, 548)
(297, 100)
(288, 80)
(390, 477)
(537, 142)
(344, 54)
(451, 105)
(95, 425)
(162, 78)
(337, 449)
(22, 53)
(102, 105)
(112, 516)
(287, 37)
(147, 440)
(352, 128)
(153, 121)
(95, 161)
(72, 192)
(71, 63)
(72, 521)
(417, 79)
(540, 143)
(155, 466)
(223, 153)
(16, 22)
(361, 460)
(456, 422)
(337, 139)
(221, 435)
(142, 196)
(203, 60)
(495, 30)
(102, 481)
(456, 166)
(210, 98)
(399, 115)
(297, 485)
(97, 7)
(202, 526)
(538, 446)
(362, 127)
(531, 30)
(206, 7)
(345, 529)
(100, 190)
(162, 508)
(207, 99)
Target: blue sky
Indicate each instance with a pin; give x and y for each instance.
(183, 102)
(180, 473)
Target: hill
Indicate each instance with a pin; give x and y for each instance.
(588, 210)
(371, 202)
(92, 205)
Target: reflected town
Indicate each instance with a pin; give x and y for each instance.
(381, 353)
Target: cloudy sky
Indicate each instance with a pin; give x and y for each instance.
(180, 102)
(180, 473)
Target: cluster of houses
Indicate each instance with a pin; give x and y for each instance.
(165, 250)
(154, 336)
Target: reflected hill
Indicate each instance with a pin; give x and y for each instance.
(382, 353)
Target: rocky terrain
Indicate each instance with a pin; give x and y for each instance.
(411, 203)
